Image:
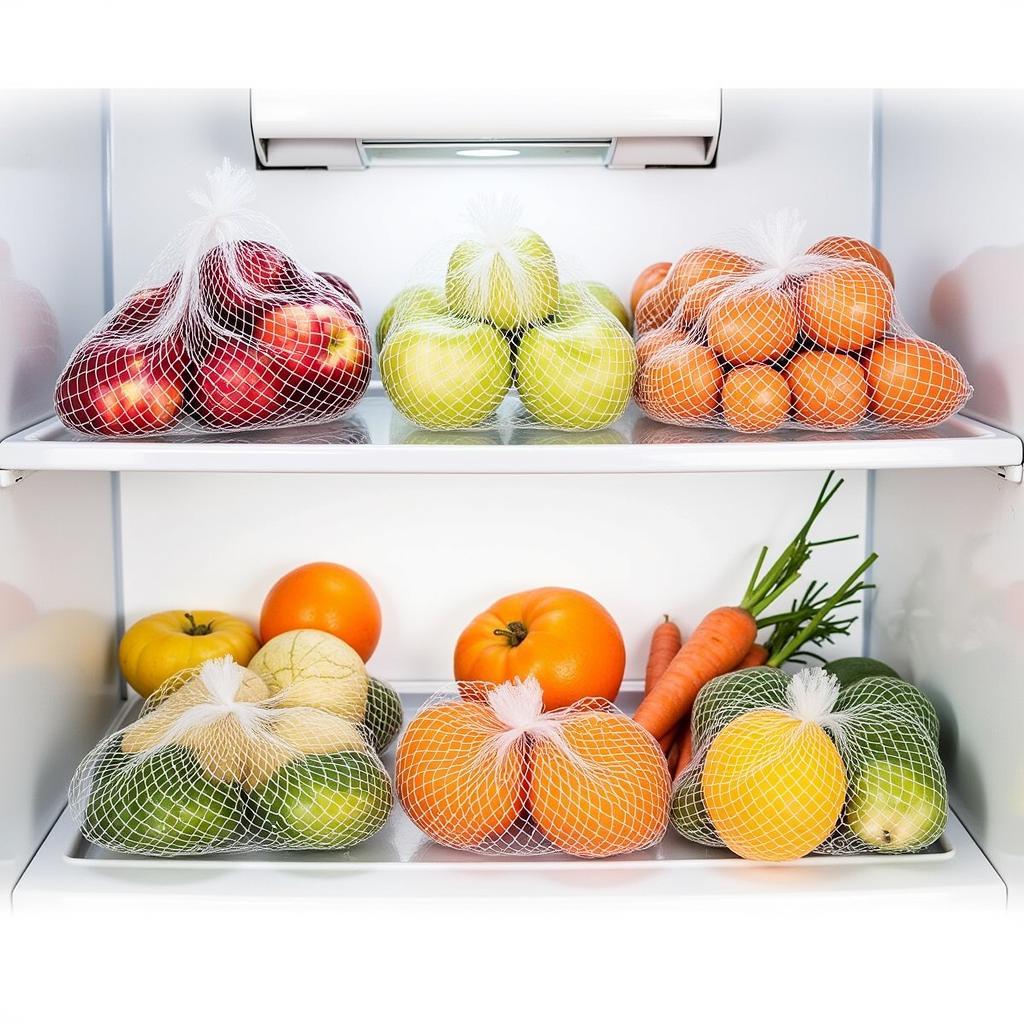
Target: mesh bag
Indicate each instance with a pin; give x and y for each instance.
(496, 774)
(786, 766)
(218, 762)
(788, 338)
(496, 311)
(225, 332)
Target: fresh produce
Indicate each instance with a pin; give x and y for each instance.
(114, 387)
(615, 804)
(233, 280)
(409, 305)
(773, 781)
(897, 807)
(328, 597)
(845, 248)
(576, 373)
(325, 802)
(914, 383)
(845, 310)
(829, 389)
(238, 387)
(680, 383)
(755, 399)
(665, 643)
(439, 777)
(894, 695)
(563, 638)
(578, 295)
(656, 341)
(648, 278)
(755, 326)
(508, 276)
(849, 670)
(158, 646)
(445, 373)
(311, 668)
(340, 285)
(383, 714)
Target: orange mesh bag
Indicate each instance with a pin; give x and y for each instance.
(226, 332)
(788, 338)
(784, 767)
(497, 774)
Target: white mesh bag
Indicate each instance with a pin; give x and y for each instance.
(784, 767)
(225, 332)
(496, 774)
(493, 312)
(780, 337)
(217, 763)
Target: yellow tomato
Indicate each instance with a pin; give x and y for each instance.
(158, 646)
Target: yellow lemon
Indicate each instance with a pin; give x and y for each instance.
(774, 785)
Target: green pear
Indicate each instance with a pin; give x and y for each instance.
(576, 374)
(896, 807)
(415, 303)
(444, 373)
(586, 297)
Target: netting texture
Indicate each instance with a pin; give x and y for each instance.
(494, 773)
(219, 762)
(226, 332)
(495, 313)
(784, 767)
(782, 337)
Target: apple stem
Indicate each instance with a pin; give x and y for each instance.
(197, 628)
(515, 634)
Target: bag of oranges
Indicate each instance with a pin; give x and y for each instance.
(783, 337)
(226, 332)
(784, 767)
(492, 772)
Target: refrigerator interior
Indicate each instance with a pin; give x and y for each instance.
(102, 535)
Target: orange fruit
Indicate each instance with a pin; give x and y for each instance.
(450, 786)
(600, 787)
(700, 297)
(755, 398)
(328, 597)
(845, 310)
(774, 786)
(563, 638)
(680, 384)
(757, 326)
(914, 382)
(654, 341)
(829, 389)
(648, 278)
(843, 247)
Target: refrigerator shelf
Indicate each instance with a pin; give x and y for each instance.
(375, 438)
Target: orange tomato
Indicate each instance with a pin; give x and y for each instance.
(755, 398)
(914, 382)
(680, 385)
(449, 785)
(647, 279)
(829, 389)
(845, 310)
(325, 596)
(607, 793)
(562, 637)
(655, 341)
(757, 326)
(843, 247)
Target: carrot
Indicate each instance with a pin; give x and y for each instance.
(685, 750)
(757, 655)
(666, 743)
(673, 755)
(665, 643)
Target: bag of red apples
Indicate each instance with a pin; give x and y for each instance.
(779, 337)
(226, 332)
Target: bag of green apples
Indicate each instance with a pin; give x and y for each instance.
(225, 332)
(221, 759)
(786, 766)
(495, 312)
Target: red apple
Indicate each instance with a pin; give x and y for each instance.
(238, 386)
(119, 387)
(235, 281)
(325, 349)
(141, 309)
(341, 285)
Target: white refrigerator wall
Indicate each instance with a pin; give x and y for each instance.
(57, 690)
(950, 607)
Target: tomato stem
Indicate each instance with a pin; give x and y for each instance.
(197, 628)
(515, 634)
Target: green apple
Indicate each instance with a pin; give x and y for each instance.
(849, 670)
(896, 807)
(510, 280)
(883, 702)
(576, 373)
(585, 297)
(415, 303)
(444, 373)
